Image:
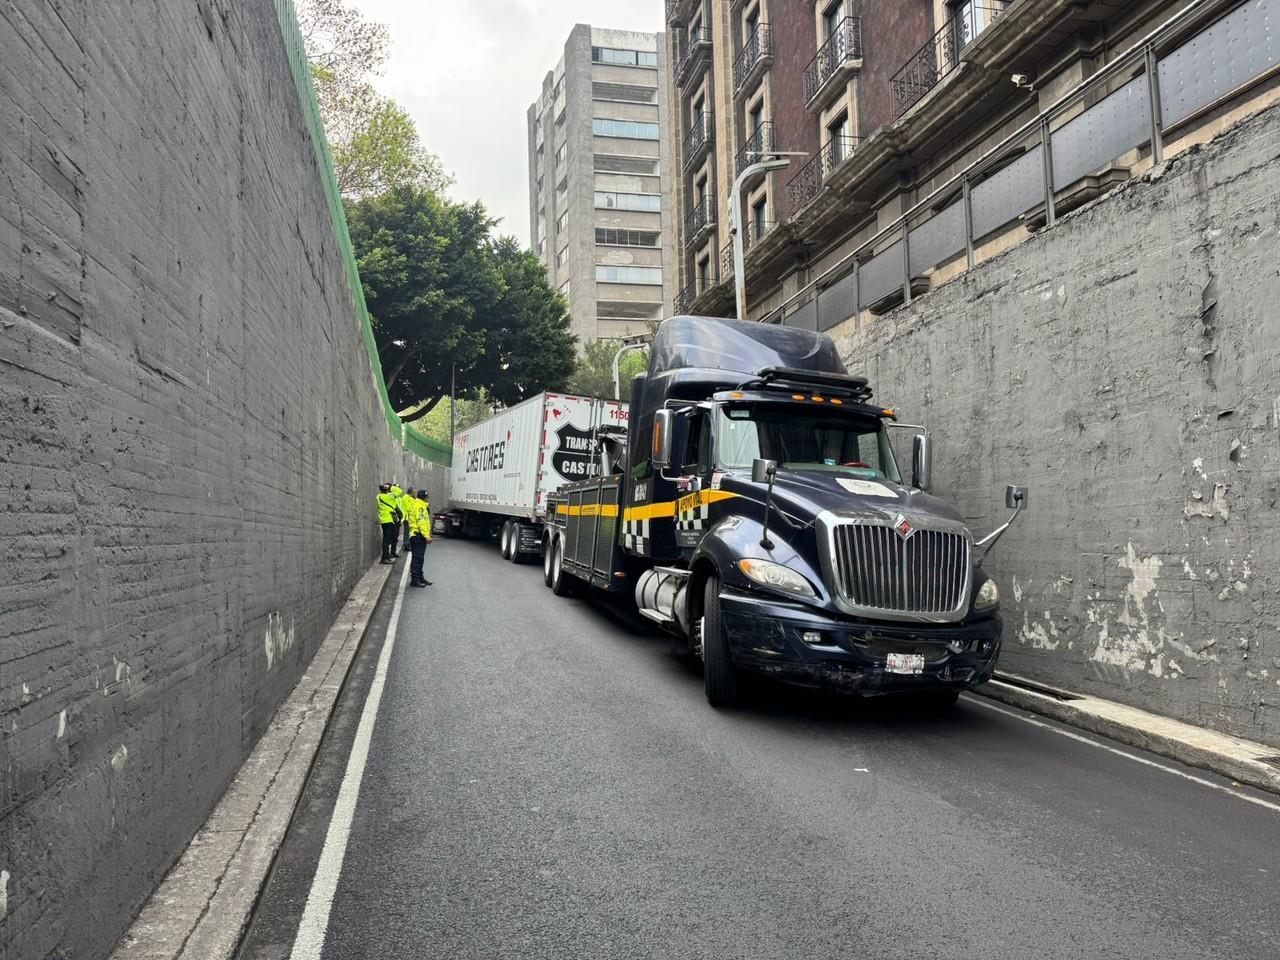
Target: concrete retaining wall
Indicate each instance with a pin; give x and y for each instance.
(190, 439)
(1126, 365)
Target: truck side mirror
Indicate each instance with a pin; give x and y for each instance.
(660, 454)
(1015, 497)
(921, 461)
(762, 470)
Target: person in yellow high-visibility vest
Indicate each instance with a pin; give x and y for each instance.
(389, 520)
(419, 517)
(399, 495)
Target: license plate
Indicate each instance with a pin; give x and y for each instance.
(908, 663)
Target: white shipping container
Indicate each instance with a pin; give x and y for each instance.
(511, 462)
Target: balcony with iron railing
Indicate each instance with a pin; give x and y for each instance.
(700, 218)
(726, 261)
(762, 141)
(756, 231)
(678, 10)
(684, 300)
(804, 186)
(698, 138)
(835, 60)
(754, 58)
(941, 54)
(695, 54)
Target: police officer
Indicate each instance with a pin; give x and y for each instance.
(419, 536)
(395, 541)
(389, 519)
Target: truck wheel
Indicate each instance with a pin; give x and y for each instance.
(722, 679)
(547, 549)
(561, 581)
(505, 540)
(514, 544)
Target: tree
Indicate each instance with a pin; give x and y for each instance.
(530, 347)
(594, 375)
(373, 140)
(449, 303)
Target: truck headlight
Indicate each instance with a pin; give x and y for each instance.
(775, 575)
(988, 596)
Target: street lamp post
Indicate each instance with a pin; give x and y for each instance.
(628, 343)
(781, 160)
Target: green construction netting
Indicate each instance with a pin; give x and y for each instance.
(413, 441)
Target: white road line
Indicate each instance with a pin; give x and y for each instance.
(978, 701)
(315, 916)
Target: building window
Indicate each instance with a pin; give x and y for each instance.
(644, 202)
(759, 218)
(749, 25)
(700, 190)
(562, 222)
(624, 58)
(629, 92)
(542, 246)
(626, 238)
(564, 291)
(832, 17)
(837, 131)
(641, 165)
(627, 129)
(643, 275)
(969, 19)
(559, 89)
(755, 118)
(561, 151)
(704, 273)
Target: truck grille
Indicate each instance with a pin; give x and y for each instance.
(925, 574)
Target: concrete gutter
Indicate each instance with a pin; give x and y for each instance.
(1195, 746)
(201, 909)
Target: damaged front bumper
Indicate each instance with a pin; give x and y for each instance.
(767, 635)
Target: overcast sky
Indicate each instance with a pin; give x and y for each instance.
(467, 71)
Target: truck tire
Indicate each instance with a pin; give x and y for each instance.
(547, 549)
(505, 540)
(513, 549)
(562, 583)
(722, 679)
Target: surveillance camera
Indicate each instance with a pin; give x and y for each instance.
(1024, 80)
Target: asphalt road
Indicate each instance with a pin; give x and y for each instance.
(545, 779)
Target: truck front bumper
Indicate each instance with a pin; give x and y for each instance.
(768, 636)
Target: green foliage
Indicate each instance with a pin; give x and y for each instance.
(594, 374)
(449, 301)
(373, 140)
(469, 412)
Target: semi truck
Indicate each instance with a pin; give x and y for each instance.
(758, 514)
(504, 468)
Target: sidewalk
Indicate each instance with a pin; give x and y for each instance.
(1241, 760)
(201, 908)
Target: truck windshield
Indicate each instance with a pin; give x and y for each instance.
(804, 439)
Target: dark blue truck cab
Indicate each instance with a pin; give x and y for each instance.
(759, 514)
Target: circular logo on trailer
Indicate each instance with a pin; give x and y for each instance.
(903, 526)
(573, 452)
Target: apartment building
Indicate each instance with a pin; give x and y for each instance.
(598, 200)
(935, 134)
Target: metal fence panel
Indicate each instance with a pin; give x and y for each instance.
(1111, 127)
(939, 238)
(838, 302)
(1239, 47)
(880, 275)
(805, 316)
(1008, 193)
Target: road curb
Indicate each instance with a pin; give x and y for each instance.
(1195, 746)
(202, 906)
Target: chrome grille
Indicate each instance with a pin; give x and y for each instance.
(876, 569)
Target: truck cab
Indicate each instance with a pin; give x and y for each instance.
(765, 520)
